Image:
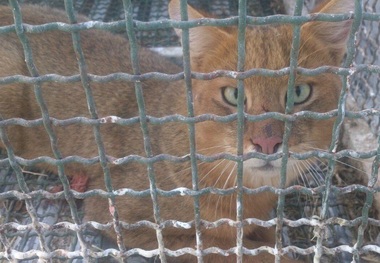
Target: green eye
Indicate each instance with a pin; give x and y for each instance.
(230, 95)
(302, 93)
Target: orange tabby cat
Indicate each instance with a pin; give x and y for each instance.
(212, 48)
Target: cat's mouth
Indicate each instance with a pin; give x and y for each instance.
(267, 167)
(262, 165)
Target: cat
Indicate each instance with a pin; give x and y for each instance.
(211, 48)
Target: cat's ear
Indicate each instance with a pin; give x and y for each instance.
(203, 39)
(333, 34)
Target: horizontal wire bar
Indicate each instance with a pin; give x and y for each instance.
(120, 76)
(65, 254)
(169, 24)
(183, 191)
(184, 119)
(205, 158)
(49, 229)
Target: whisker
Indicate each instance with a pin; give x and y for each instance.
(214, 147)
(346, 164)
(349, 157)
(353, 167)
(315, 171)
(189, 168)
(300, 178)
(299, 172)
(229, 176)
(216, 181)
(220, 197)
(227, 166)
(304, 178)
(212, 169)
(207, 150)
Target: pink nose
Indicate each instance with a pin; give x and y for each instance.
(267, 145)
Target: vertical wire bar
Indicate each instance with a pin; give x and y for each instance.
(242, 23)
(128, 10)
(96, 128)
(337, 127)
(369, 198)
(288, 127)
(48, 127)
(191, 128)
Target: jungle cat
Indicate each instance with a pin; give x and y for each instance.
(211, 48)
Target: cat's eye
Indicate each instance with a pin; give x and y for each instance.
(230, 95)
(302, 93)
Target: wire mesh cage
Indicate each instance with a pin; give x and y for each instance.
(329, 214)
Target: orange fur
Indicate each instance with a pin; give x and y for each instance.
(211, 49)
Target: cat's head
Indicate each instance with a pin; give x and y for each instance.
(268, 47)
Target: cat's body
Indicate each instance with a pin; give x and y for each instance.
(211, 49)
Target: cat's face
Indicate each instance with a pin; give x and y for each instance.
(267, 47)
(264, 94)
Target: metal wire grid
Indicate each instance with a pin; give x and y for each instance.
(366, 84)
(319, 224)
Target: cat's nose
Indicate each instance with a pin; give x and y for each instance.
(268, 145)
